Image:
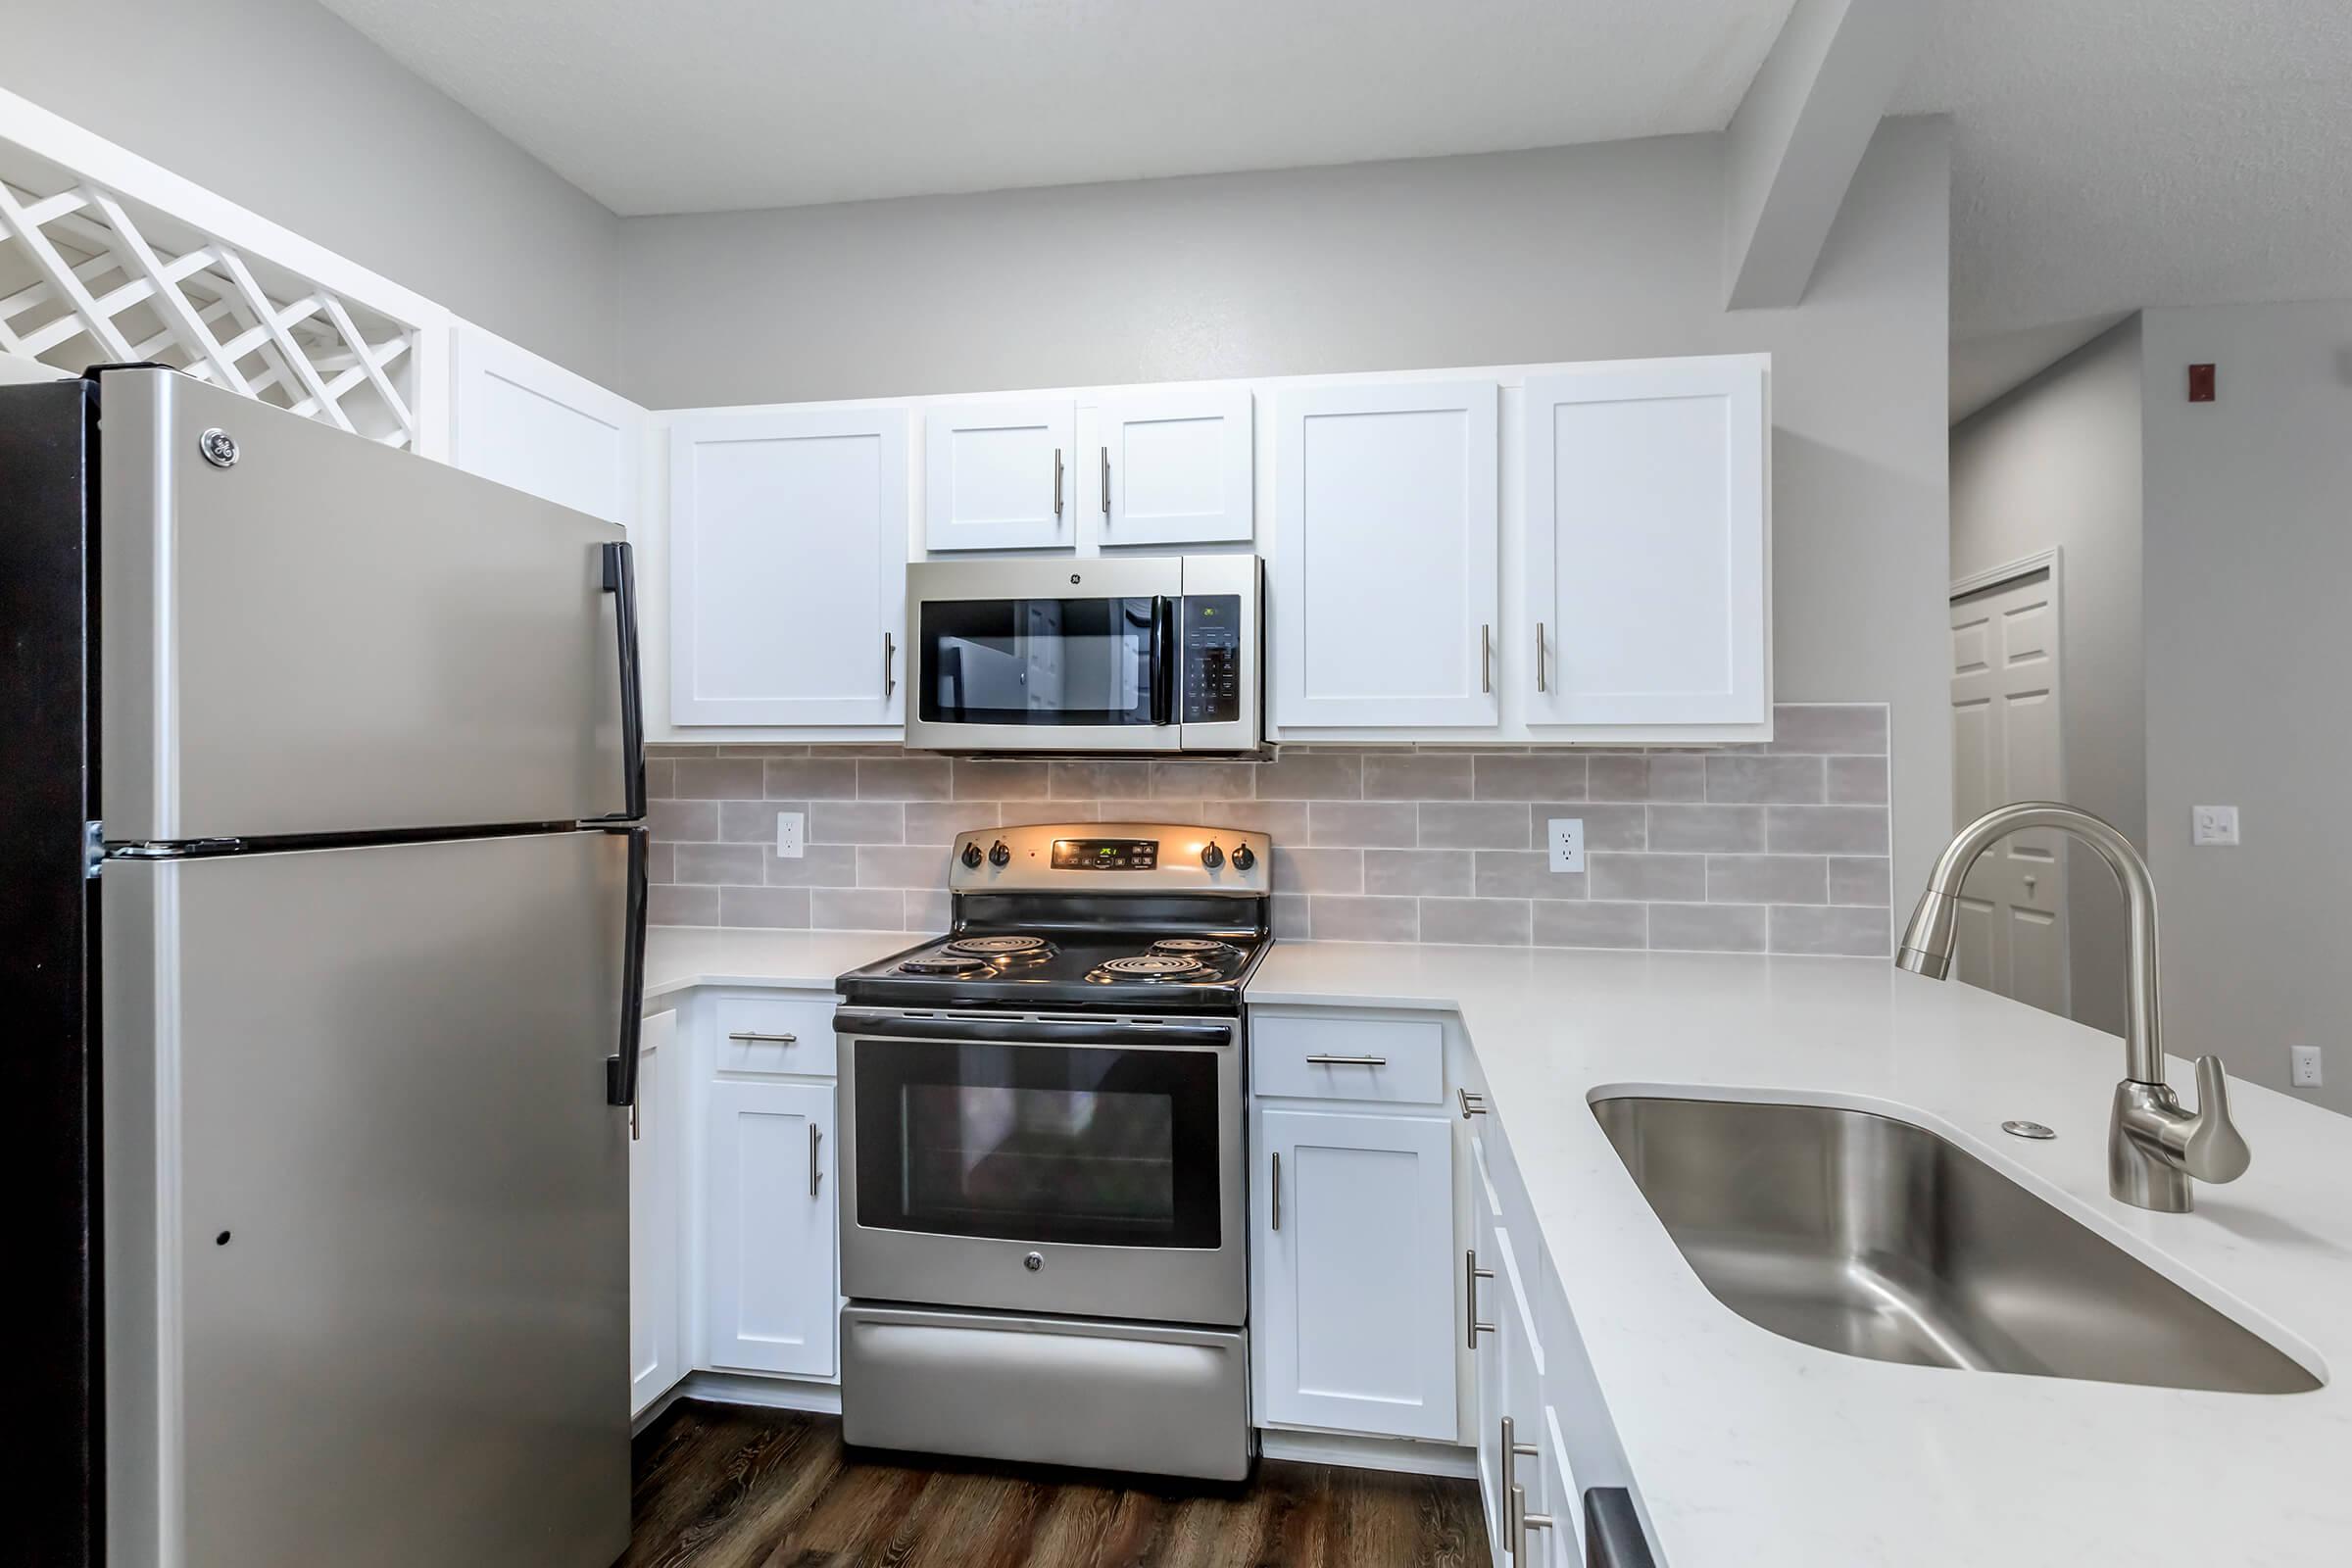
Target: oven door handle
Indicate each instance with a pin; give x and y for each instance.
(1028, 1031)
(1163, 660)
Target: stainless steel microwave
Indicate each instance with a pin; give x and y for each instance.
(1133, 654)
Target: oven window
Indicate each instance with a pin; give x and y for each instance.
(1094, 1145)
(1036, 660)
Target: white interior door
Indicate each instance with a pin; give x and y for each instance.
(530, 423)
(999, 475)
(1647, 555)
(1172, 466)
(1387, 527)
(2006, 667)
(788, 566)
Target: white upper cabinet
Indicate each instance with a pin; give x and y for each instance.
(530, 423)
(999, 475)
(1648, 544)
(788, 566)
(1172, 466)
(1385, 602)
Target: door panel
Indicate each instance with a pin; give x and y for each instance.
(1173, 467)
(769, 1206)
(1357, 1279)
(385, 1204)
(1386, 586)
(2007, 694)
(1647, 567)
(333, 636)
(532, 425)
(787, 567)
(998, 476)
(657, 1209)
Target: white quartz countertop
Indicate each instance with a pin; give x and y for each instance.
(681, 958)
(1752, 1449)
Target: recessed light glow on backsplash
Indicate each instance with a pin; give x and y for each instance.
(1780, 848)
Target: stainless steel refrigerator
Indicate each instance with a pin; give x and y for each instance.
(323, 934)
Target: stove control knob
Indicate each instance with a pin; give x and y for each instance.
(1244, 858)
(1212, 856)
(998, 855)
(972, 855)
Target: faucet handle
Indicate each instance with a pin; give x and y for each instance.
(2215, 1152)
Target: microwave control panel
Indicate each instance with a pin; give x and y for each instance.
(1212, 657)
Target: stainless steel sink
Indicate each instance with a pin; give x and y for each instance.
(1870, 1237)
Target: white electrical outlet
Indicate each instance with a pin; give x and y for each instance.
(2306, 1074)
(1565, 835)
(788, 835)
(2213, 824)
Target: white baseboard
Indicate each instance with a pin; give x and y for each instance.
(737, 1387)
(1401, 1454)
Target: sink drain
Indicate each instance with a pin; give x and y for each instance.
(2028, 1129)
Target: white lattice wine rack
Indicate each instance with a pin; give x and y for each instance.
(91, 277)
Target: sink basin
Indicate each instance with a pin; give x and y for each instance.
(1864, 1234)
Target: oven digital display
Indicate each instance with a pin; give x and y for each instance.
(1105, 855)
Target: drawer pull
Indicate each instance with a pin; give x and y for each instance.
(1348, 1061)
(1473, 1103)
(751, 1037)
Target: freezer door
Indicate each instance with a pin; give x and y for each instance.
(329, 636)
(368, 1207)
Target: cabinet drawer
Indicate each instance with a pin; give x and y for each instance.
(1400, 1060)
(783, 1034)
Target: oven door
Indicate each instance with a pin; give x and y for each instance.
(1044, 655)
(1084, 1166)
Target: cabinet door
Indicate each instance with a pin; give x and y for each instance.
(530, 423)
(1483, 1290)
(1385, 539)
(998, 476)
(1172, 466)
(1356, 1272)
(1648, 548)
(656, 1208)
(788, 566)
(773, 1304)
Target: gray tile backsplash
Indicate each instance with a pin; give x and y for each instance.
(1780, 848)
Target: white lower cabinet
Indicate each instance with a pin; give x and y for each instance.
(656, 1350)
(1483, 1292)
(1354, 1271)
(770, 1299)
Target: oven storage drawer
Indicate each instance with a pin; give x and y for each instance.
(1047, 1389)
(780, 1035)
(1338, 1058)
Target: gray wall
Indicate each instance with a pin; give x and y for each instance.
(2248, 561)
(1576, 253)
(282, 108)
(2057, 463)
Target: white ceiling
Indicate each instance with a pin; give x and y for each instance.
(669, 106)
(2114, 154)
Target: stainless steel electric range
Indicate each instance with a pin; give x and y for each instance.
(1044, 1233)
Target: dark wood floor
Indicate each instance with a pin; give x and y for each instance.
(727, 1486)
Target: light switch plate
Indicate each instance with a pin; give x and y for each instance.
(2213, 824)
(790, 830)
(1565, 837)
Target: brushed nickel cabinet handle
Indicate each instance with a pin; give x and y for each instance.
(1470, 1110)
(751, 1037)
(1540, 684)
(1057, 483)
(1485, 658)
(1471, 1275)
(1348, 1061)
(813, 1136)
(890, 653)
(1106, 487)
(1525, 1522)
(1278, 1192)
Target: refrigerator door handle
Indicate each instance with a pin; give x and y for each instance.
(620, 1071)
(620, 581)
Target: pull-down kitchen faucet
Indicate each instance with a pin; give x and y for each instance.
(2154, 1146)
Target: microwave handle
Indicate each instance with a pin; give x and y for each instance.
(1163, 660)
